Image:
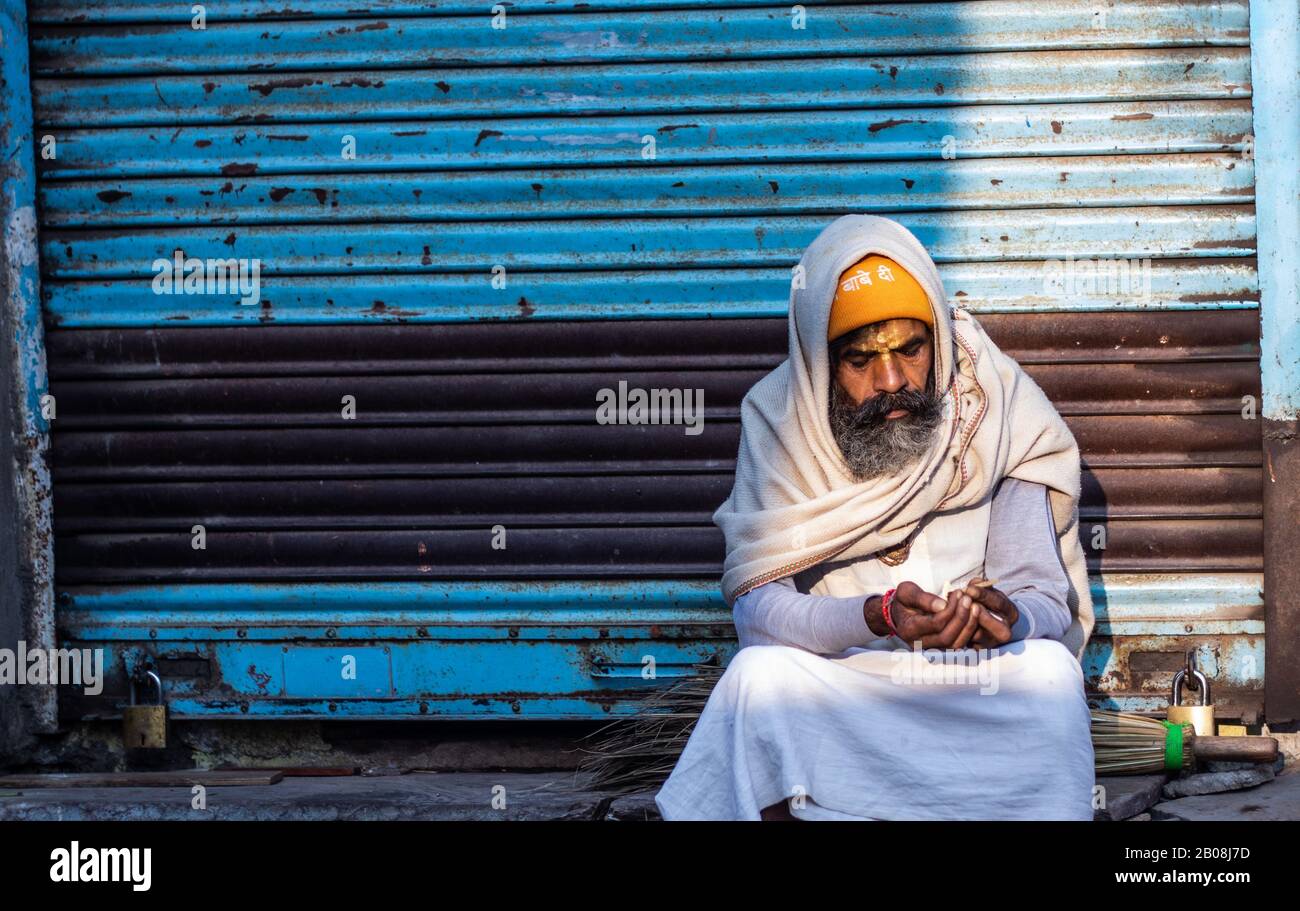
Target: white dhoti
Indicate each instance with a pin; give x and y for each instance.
(874, 733)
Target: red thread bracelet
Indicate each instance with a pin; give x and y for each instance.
(884, 610)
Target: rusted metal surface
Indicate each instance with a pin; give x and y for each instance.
(1176, 285)
(155, 435)
(1127, 493)
(1147, 623)
(1102, 338)
(222, 648)
(370, 449)
(1223, 545)
(1137, 670)
(26, 597)
(1184, 389)
(537, 650)
(777, 189)
(1125, 74)
(1282, 576)
(629, 35)
(1229, 336)
(1161, 16)
(721, 242)
(406, 146)
(1077, 140)
(79, 12)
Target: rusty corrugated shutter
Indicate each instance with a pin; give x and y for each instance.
(1022, 142)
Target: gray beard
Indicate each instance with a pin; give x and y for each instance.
(874, 446)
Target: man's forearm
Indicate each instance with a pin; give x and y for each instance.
(778, 614)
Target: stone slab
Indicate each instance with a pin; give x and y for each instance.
(1278, 799)
(1216, 782)
(1128, 795)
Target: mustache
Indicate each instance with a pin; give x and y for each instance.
(873, 410)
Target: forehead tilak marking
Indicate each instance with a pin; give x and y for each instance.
(883, 340)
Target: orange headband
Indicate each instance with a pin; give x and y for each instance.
(873, 289)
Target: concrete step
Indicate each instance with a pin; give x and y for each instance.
(412, 796)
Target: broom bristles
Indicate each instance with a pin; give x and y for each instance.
(1128, 744)
(639, 752)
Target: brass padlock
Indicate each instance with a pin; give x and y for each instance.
(145, 726)
(1200, 717)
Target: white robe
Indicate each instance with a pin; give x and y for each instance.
(877, 731)
(840, 734)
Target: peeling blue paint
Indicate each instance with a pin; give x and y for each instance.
(24, 346)
(276, 650)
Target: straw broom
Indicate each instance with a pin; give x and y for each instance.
(636, 753)
(1128, 744)
(639, 752)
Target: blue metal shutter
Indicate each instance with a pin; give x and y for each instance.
(646, 177)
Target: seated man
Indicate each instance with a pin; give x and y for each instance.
(905, 496)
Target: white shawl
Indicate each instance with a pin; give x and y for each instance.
(795, 504)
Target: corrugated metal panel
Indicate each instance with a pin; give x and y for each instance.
(988, 287)
(1167, 20)
(779, 189)
(912, 133)
(235, 651)
(74, 12)
(1005, 140)
(633, 36)
(757, 85)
